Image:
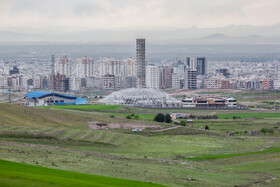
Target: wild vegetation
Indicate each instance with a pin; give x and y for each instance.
(167, 154)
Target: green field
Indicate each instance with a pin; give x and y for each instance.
(18, 174)
(249, 115)
(60, 138)
(88, 107)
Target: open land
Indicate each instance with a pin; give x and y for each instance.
(98, 140)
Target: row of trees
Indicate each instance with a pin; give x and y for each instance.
(160, 117)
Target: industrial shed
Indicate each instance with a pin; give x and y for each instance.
(42, 98)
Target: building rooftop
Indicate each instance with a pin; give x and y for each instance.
(42, 94)
(139, 96)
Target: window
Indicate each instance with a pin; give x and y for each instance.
(62, 101)
(201, 102)
(219, 101)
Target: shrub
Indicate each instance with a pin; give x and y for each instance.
(112, 116)
(168, 118)
(128, 117)
(136, 117)
(183, 123)
(265, 130)
(159, 117)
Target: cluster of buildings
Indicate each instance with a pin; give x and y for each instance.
(243, 75)
(66, 74)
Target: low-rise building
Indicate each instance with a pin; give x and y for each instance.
(209, 102)
(42, 98)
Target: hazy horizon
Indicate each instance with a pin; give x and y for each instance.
(125, 20)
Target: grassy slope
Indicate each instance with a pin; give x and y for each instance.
(42, 117)
(17, 174)
(158, 157)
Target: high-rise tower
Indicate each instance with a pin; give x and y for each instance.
(141, 63)
(52, 61)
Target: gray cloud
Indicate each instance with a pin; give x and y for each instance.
(131, 14)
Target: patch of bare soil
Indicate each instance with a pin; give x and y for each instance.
(99, 125)
(165, 129)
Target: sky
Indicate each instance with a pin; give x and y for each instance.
(79, 15)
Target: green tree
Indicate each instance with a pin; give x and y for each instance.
(159, 117)
(168, 118)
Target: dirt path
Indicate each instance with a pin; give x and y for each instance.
(166, 129)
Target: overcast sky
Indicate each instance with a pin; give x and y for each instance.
(132, 14)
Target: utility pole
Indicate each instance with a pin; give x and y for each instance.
(9, 94)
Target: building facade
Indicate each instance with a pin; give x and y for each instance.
(152, 77)
(141, 63)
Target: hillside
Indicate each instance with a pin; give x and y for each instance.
(18, 174)
(167, 154)
(41, 117)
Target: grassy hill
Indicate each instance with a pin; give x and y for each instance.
(18, 174)
(41, 117)
(178, 156)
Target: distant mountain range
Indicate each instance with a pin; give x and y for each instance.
(229, 34)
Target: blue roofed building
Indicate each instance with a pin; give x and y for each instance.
(42, 98)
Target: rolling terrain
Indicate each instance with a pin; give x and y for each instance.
(169, 154)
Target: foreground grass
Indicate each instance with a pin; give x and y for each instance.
(18, 174)
(61, 139)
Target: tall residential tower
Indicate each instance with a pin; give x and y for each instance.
(141, 63)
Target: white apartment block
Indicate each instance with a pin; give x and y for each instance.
(110, 66)
(63, 66)
(152, 77)
(128, 67)
(3, 82)
(193, 63)
(175, 81)
(213, 83)
(276, 84)
(74, 83)
(84, 67)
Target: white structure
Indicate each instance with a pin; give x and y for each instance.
(110, 66)
(84, 67)
(276, 84)
(152, 77)
(180, 69)
(63, 66)
(74, 83)
(175, 81)
(209, 102)
(3, 81)
(142, 97)
(128, 67)
(193, 63)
